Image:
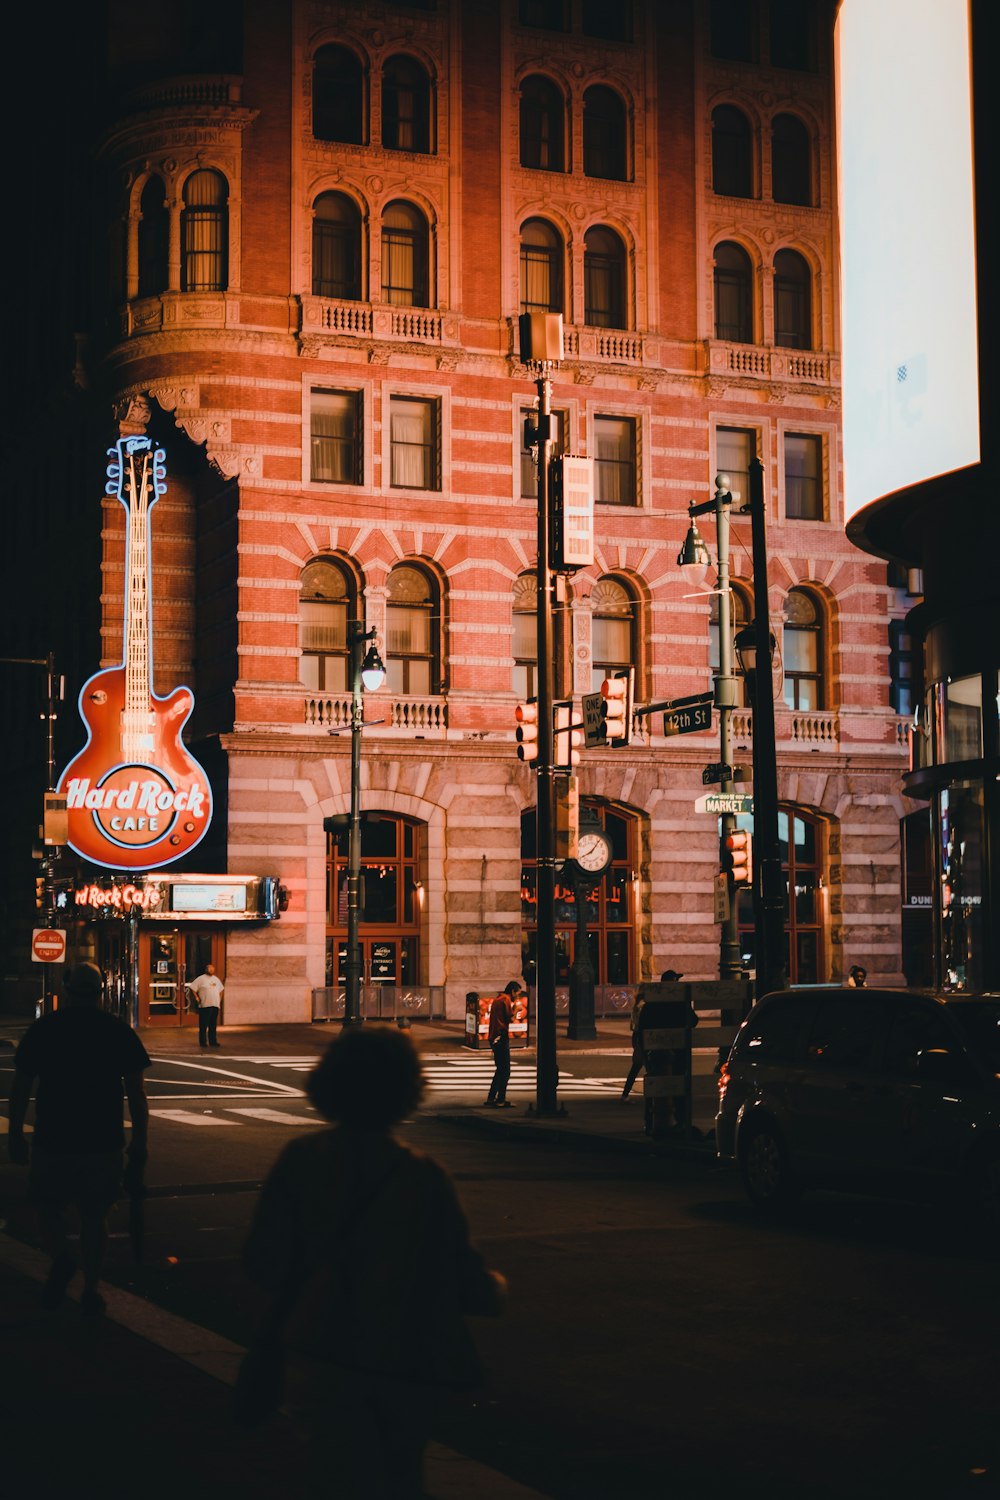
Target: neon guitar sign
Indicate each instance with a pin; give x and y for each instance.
(136, 799)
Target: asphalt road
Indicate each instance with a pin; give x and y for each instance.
(660, 1339)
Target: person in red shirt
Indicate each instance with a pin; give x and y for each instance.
(498, 1036)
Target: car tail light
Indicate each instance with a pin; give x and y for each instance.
(723, 1081)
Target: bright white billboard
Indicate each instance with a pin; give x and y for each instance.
(911, 397)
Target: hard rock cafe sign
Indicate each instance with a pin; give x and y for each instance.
(136, 799)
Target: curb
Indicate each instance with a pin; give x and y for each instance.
(581, 1139)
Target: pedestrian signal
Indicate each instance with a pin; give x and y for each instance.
(526, 734)
(39, 891)
(617, 707)
(568, 737)
(739, 860)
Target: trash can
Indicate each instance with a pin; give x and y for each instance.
(477, 1019)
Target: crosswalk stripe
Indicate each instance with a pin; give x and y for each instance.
(183, 1117)
(283, 1117)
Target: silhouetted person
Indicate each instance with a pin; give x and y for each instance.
(501, 1015)
(207, 990)
(363, 1250)
(85, 1060)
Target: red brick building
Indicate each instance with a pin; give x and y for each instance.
(318, 255)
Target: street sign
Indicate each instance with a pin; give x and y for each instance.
(721, 903)
(593, 720)
(688, 719)
(724, 802)
(48, 945)
(716, 772)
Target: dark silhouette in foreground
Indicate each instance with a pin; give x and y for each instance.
(363, 1251)
(85, 1060)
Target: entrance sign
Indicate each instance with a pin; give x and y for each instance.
(48, 945)
(136, 799)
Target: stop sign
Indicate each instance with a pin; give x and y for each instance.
(48, 945)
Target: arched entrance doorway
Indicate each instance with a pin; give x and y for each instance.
(392, 885)
(611, 907)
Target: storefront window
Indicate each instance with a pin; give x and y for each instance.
(390, 910)
(957, 707)
(610, 907)
(960, 845)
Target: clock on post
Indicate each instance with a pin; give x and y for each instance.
(593, 860)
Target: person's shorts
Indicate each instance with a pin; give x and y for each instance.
(90, 1179)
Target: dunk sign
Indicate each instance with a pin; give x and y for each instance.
(136, 798)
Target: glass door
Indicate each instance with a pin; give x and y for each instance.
(168, 960)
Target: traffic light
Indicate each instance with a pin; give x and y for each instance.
(567, 738)
(617, 708)
(526, 715)
(739, 859)
(39, 891)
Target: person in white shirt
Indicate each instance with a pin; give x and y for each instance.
(207, 990)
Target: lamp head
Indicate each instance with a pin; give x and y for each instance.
(372, 670)
(694, 553)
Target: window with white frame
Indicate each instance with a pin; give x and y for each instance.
(734, 448)
(335, 437)
(615, 453)
(525, 641)
(803, 477)
(414, 437)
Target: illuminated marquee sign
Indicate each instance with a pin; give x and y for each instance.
(123, 898)
(136, 799)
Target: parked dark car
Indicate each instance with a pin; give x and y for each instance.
(886, 1091)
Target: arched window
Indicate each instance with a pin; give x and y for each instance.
(792, 301)
(406, 106)
(732, 152)
(411, 630)
(405, 256)
(525, 642)
(541, 267)
(336, 248)
(790, 161)
(604, 296)
(740, 616)
(541, 125)
(337, 113)
(802, 650)
(611, 905)
(205, 233)
(801, 847)
(614, 630)
(153, 239)
(605, 150)
(733, 294)
(327, 600)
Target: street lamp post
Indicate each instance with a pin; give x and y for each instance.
(755, 647)
(366, 671)
(541, 347)
(695, 554)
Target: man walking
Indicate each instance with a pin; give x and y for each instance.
(207, 990)
(498, 1036)
(84, 1059)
